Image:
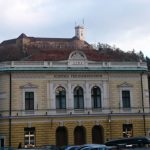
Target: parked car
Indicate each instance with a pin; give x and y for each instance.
(48, 147)
(70, 147)
(6, 148)
(131, 142)
(94, 147)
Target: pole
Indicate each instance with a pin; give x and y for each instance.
(10, 108)
(143, 109)
(109, 120)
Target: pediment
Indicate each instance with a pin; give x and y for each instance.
(77, 55)
(125, 84)
(28, 85)
(77, 59)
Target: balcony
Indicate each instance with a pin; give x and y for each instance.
(74, 112)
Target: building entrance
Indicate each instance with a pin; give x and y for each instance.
(1, 142)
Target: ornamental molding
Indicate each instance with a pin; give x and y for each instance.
(77, 59)
(77, 55)
(125, 84)
(28, 86)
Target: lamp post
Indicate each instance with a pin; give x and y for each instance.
(109, 121)
(10, 107)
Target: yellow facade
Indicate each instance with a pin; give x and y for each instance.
(46, 120)
(46, 128)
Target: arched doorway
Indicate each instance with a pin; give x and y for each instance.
(97, 134)
(79, 135)
(61, 136)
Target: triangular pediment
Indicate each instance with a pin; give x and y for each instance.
(28, 85)
(125, 84)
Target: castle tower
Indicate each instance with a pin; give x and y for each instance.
(79, 32)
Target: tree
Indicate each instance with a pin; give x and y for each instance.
(148, 62)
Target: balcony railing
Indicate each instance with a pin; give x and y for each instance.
(77, 112)
(47, 64)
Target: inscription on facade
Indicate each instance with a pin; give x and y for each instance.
(77, 76)
(77, 62)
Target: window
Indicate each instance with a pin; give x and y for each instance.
(126, 99)
(78, 98)
(149, 84)
(29, 137)
(60, 97)
(127, 130)
(148, 132)
(96, 97)
(29, 100)
(2, 142)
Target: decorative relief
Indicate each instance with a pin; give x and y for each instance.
(76, 55)
(56, 85)
(79, 123)
(146, 93)
(98, 84)
(2, 95)
(125, 84)
(28, 85)
(61, 123)
(77, 58)
(97, 122)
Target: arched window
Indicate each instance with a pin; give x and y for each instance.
(96, 97)
(78, 98)
(60, 97)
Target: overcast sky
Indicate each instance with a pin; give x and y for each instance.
(123, 23)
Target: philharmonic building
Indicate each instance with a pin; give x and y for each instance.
(62, 91)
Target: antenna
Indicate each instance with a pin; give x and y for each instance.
(83, 21)
(75, 24)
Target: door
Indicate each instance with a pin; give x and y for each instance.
(1, 142)
(97, 134)
(61, 136)
(79, 135)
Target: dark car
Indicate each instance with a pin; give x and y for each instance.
(49, 147)
(6, 148)
(94, 147)
(70, 147)
(129, 142)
